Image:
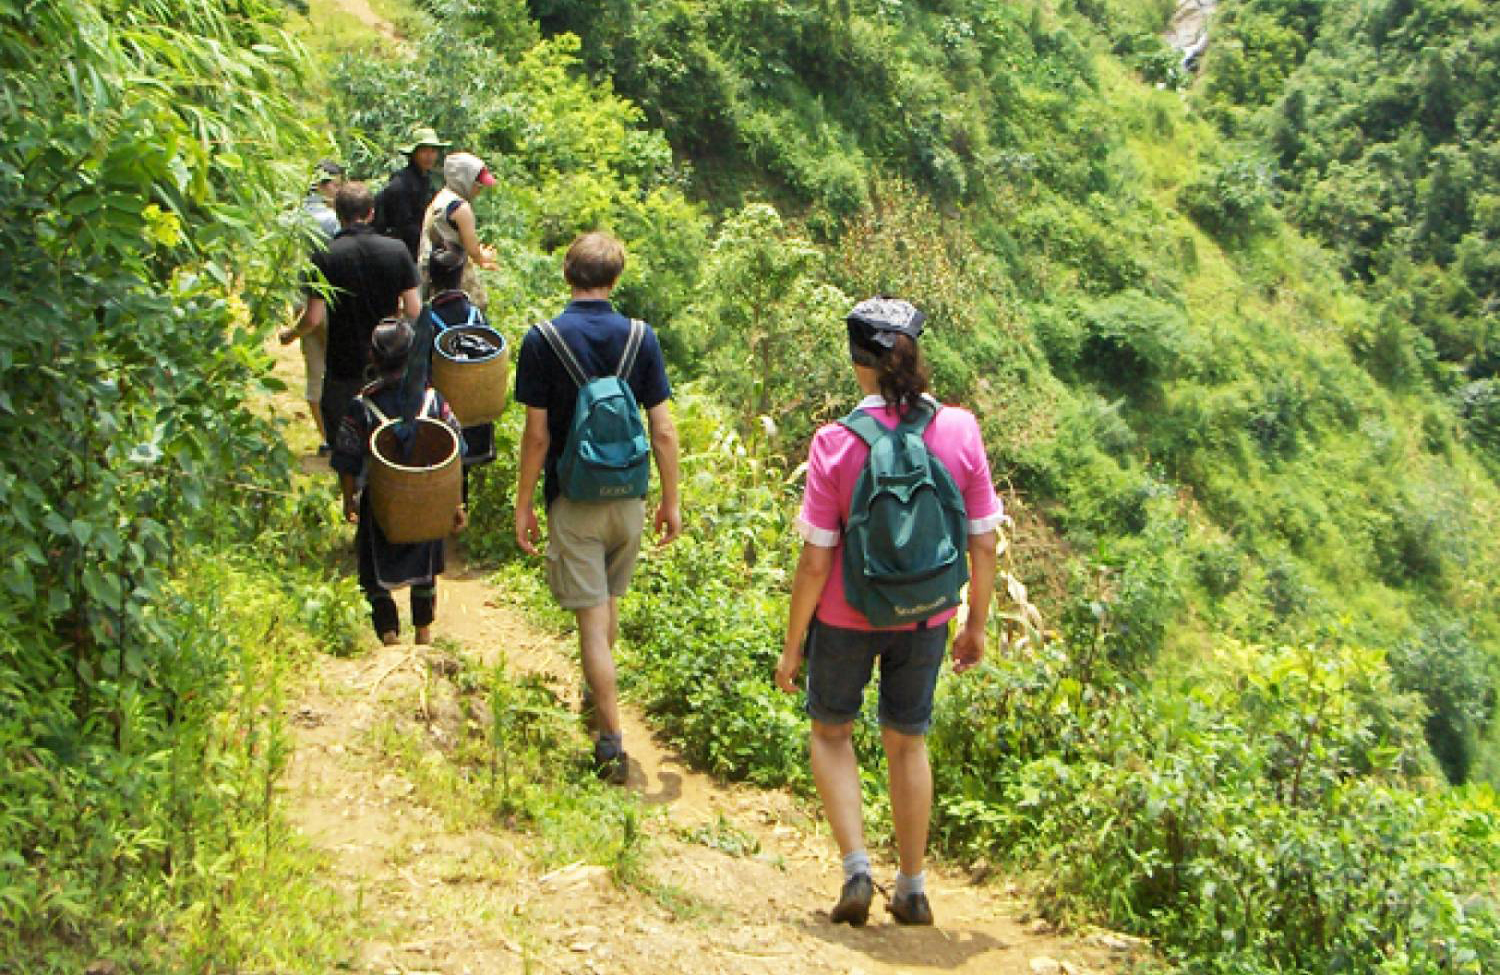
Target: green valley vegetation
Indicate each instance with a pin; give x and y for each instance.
(1227, 336)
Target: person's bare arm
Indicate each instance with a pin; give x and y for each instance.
(668, 521)
(968, 646)
(813, 568)
(462, 219)
(411, 303)
(351, 504)
(314, 314)
(535, 440)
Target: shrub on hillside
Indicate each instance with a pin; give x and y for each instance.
(1232, 203)
(1260, 819)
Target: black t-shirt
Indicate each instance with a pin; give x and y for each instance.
(596, 334)
(402, 204)
(368, 273)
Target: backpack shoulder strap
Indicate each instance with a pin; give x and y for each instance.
(919, 417)
(864, 426)
(569, 361)
(632, 348)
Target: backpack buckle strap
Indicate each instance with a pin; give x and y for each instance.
(565, 354)
(632, 348)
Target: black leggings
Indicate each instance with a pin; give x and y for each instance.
(383, 608)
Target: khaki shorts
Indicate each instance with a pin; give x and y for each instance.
(591, 549)
(315, 357)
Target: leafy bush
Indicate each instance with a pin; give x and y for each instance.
(1457, 681)
(1133, 340)
(1260, 820)
(1479, 405)
(704, 626)
(1233, 203)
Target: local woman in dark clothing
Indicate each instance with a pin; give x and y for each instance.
(450, 307)
(383, 565)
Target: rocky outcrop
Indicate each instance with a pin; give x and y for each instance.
(1188, 30)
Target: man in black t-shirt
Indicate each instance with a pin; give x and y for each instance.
(369, 277)
(592, 545)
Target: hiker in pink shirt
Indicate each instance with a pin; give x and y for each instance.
(838, 640)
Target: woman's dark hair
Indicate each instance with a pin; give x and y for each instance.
(902, 374)
(445, 267)
(390, 344)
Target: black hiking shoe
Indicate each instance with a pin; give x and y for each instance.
(854, 901)
(612, 767)
(911, 909)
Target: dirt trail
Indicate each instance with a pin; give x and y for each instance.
(362, 11)
(438, 899)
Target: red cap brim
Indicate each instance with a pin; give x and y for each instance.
(485, 177)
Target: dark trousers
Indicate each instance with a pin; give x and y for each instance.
(337, 395)
(387, 619)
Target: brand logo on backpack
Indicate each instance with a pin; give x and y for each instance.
(606, 455)
(906, 541)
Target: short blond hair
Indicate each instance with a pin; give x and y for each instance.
(594, 260)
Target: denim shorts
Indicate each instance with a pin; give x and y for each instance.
(839, 663)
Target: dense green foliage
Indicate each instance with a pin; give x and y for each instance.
(1380, 118)
(1379, 121)
(1201, 409)
(142, 190)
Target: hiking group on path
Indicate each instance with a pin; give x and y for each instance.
(898, 514)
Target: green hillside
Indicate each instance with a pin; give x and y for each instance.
(1206, 386)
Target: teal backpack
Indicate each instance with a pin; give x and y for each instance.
(606, 456)
(906, 541)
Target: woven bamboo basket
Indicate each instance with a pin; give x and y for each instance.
(476, 389)
(415, 494)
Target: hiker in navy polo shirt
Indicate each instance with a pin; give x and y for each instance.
(592, 544)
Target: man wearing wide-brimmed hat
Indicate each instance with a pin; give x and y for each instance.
(400, 205)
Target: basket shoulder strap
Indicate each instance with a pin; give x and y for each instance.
(370, 405)
(554, 339)
(632, 348)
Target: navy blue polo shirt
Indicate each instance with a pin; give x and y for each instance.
(596, 335)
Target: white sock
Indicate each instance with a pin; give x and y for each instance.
(856, 863)
(911, 885)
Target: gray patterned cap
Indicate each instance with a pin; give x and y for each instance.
(880, 319)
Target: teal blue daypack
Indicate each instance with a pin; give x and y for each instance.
(606, 456)
(906, 541)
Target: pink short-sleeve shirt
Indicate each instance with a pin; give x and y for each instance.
(834, 463)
